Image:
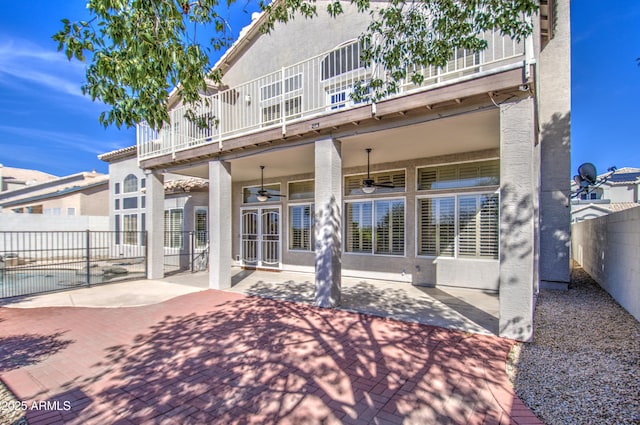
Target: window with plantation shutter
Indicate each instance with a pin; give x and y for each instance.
(301, 234)
(479, 226)
(376, 227)
(173, 220)
(389, 234)
(471, 219)
(489, 226)
(436, 226)
(130, 229)
(353, 184)
(301, 190)
(359, 232)
(467, 226)
(472, 174)
(200, 227)
(117, 229)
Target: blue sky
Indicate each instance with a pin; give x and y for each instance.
(46, 123)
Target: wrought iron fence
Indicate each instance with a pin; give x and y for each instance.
(184, 250)
(34, 262)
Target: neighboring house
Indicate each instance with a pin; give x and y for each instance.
(83, 193)
(472, 167)
(16, 178)
(185, 209)
(620, 192)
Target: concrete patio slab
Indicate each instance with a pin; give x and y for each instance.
(121, 294)
(454, 308)
(221, 357)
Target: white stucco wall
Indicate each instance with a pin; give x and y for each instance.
(608, 248)
(46, 223)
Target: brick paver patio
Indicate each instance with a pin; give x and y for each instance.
(222, 358)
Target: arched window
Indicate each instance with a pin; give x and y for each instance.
(342, 60)
(130, 184)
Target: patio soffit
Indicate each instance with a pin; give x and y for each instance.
(468, 132)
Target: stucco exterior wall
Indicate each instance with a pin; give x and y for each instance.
(118, 170)
(553, 77)
(311, 37)
(607, 249)
(95, 201)
(47, 223)
(430, 271)
(621, 193)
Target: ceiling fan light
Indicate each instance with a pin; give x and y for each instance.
(263, 198)
(368, 189)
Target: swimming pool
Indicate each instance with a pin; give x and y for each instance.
(14, 283)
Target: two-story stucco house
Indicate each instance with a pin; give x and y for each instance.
(468, 176)
(77, 194)
(619, 192)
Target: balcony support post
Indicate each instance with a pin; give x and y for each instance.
(518, 198)
(328, 228)
(220, 234)
(155, 225)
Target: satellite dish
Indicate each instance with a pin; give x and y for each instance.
(587, 172)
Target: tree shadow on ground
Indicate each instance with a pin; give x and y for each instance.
(434, 307)
(257, 360)
(23, 350)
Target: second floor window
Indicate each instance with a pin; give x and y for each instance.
(342, 60)
(130, 184)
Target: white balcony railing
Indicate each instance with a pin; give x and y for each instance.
(319, 85)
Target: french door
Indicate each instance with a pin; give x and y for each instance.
(260, 236)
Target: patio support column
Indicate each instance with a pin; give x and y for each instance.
(155, 224)
(518, 199)
(219, 225)
(328, 214)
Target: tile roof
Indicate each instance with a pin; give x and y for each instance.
(185, 185)
(621, 206)
(25, 175)
(118, 154)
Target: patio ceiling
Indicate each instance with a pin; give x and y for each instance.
(457, 134)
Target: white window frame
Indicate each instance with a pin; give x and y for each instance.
(130, 177)
(373, 174)
(171, 231)
(455, 224)
(275, 199)
(311, 206)
(373, 227)
(127, 231)
(197, 241)
(454, 189)
(456, 195)
(311, 199)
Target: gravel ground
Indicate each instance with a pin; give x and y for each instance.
(10, 413)
(583, 366)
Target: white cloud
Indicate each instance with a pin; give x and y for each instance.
(30, 66)
(74, 141)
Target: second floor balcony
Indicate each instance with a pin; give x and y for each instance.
(323, 84)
